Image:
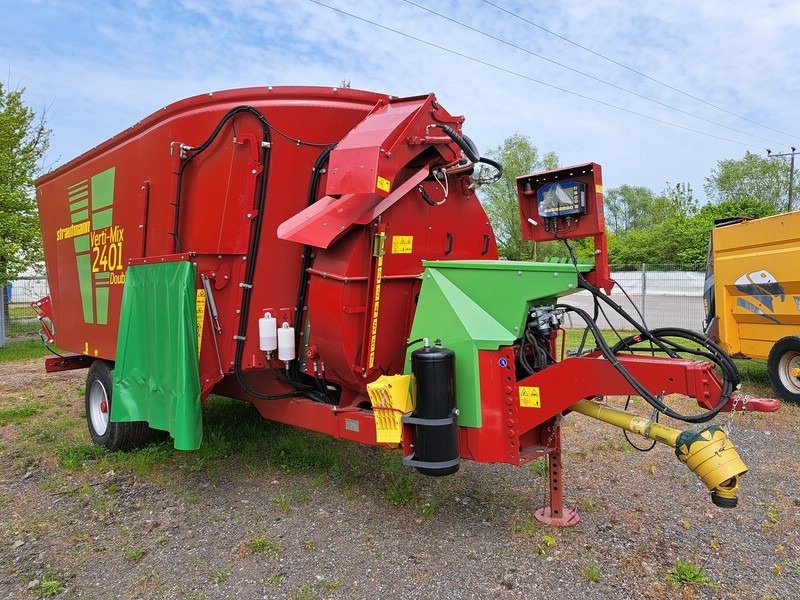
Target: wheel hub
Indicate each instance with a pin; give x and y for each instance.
(98, 408)
(789, 371)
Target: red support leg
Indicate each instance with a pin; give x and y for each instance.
(556, 514)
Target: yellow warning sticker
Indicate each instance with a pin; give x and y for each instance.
(598, 189)
(200, 308)
(383, 184)
(402, 244)
(529, 397)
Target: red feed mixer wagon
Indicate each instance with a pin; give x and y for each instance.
(322, 253)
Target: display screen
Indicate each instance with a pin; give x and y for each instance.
(562, 198)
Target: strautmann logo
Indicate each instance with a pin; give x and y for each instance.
(98, 243)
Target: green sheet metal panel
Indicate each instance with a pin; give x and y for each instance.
(156, 376)
(483, 305)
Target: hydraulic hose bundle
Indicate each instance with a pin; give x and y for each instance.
(663, 340)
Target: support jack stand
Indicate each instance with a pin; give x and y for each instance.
(556, 515)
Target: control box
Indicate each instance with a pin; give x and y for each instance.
(562, 204)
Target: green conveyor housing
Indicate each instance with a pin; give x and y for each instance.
(476, 305)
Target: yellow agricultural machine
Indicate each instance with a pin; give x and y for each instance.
(753, 295)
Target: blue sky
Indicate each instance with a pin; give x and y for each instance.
(100, 67)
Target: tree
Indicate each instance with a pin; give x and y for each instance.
(519, 157)
(750, 178)
(681, 240)
(634, 207)
(24, 139)
(628, 207)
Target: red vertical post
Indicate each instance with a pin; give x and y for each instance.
(556, 514)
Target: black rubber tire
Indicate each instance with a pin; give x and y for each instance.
(783, 358)
(117, 436)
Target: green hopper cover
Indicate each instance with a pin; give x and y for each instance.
(156, 377)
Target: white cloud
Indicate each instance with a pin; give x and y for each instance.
(104, 67)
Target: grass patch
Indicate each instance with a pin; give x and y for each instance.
(22, 349)
(220, 576)
(134, 554)
(591, 573)
(48, 588)
(687, 573)
(539, 466)
(72, 458)
(19, 414)
(261, 545)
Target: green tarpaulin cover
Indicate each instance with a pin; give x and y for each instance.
(156, 377)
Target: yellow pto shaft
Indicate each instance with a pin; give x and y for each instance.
(709, 453)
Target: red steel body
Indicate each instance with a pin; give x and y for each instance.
(378, 210)
(381, 144)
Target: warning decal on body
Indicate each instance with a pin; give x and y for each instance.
(529, 397)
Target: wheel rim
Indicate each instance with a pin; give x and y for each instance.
(98, 408)
(788, 366)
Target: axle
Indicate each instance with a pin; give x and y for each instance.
(708, 453)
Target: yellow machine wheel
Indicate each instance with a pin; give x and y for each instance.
(783, 366)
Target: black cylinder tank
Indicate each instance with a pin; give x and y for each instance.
(435, 417)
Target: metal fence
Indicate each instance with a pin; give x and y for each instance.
(19, 319)
(666, 296)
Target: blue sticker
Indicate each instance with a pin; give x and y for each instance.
(503, 362)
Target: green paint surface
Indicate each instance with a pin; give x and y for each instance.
(81, 243)
(79, 204)
(83, 183)
(79, 216)
(101, 295)
(85, 282)
(483, 305)
(103, 189)
(101, 219)
(157, 377)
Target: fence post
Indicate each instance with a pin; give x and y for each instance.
(3, 316)
(644, 288)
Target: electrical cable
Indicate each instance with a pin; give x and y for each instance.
(656, 337)
(628, 437)
(471, 152)
(587, 75)
(529, 78)
(398, 353)
(632, 70)
(46, 345)
(656, 402)
(307, 259)
(252, 251)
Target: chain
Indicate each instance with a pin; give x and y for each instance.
(737, 400)
(553, 429)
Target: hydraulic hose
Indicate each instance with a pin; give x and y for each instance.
(729, 382)
(471, 151)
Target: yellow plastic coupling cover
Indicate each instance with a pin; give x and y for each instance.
(711, 456)
(390, 396)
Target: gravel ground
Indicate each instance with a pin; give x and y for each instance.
(230, 532)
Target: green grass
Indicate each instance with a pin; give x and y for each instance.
(591, 573)
(17, 415)
(687, 573)
(134, 554)
(23, 349)
(261, 545)
(48, 588)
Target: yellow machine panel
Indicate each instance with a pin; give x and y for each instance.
(757, 294)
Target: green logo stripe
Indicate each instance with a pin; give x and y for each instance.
(103, 189)
(79, 215)
(84, 183)
(85, 280)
